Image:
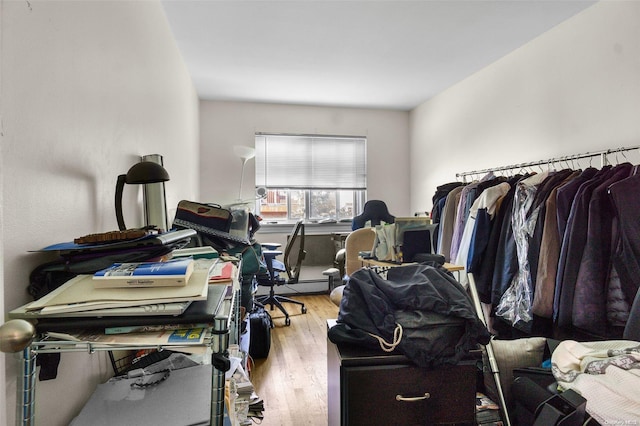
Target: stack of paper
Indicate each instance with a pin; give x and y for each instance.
(246, 400)
(192, 336)
(79, 295)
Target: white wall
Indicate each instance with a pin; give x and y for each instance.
(87, 87)
(224, 124)
(574, 89)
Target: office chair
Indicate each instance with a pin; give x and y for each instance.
(294, 254)
(375, 211)
(356, 242)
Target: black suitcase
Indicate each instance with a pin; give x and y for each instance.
(260, 325)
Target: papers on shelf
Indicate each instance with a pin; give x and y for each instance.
(171, 308)
(192, 336)
(79, 294)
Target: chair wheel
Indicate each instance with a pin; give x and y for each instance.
(287, 321)
(304, 310)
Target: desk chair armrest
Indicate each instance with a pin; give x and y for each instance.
(273, 265)
(270, 246)
(270, 254)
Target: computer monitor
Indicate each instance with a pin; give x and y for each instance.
(413, 235)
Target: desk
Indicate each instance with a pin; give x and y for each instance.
(380, 264)
(373, 262)
(224, 327)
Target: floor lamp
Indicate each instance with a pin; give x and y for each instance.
(155, 202)
(245, 153)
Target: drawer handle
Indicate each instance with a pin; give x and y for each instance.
(426, 395)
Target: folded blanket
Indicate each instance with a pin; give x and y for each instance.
(606, 373)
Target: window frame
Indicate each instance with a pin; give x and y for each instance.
(358, 186)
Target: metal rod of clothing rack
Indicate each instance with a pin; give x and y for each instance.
(602, 154)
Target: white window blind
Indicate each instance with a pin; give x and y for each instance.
(311, 162)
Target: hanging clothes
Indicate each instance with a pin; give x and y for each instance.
(439, 200)
(447, 220)
(515, 303)
(589, 310)
(549, 254)
(484, 272)
(571, 250)
(442, 191)
(561, 249)
(539, 205)
(485, 213)
(626, 203)
(506, 265)
(566, 195)
(467, 197)
(486, 200)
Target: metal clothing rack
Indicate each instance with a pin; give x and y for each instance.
(224, 329)
(602, 154)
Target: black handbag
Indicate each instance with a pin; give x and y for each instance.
(260, 325)
(210, 216)
(212, 222)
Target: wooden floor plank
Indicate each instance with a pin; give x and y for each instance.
(292, 381)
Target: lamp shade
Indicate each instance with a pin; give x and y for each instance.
(146, 172)
(244, 152)
(140, 173)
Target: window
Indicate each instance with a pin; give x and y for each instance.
(310, 177)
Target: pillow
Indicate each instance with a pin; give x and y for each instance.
(510, 354)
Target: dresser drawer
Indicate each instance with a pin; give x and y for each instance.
(407, 395)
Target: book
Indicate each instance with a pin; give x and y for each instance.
(175, 272)
(222, 272)
(205, 252)
(78, 294)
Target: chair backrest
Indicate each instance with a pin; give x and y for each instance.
(357, 241)
(375, 211)
(294, 252)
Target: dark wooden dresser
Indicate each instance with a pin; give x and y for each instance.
(368, 387)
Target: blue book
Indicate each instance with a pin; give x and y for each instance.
(145, 274)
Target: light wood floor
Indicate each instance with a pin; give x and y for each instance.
(292, 380)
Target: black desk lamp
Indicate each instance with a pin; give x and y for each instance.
(140, 173)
